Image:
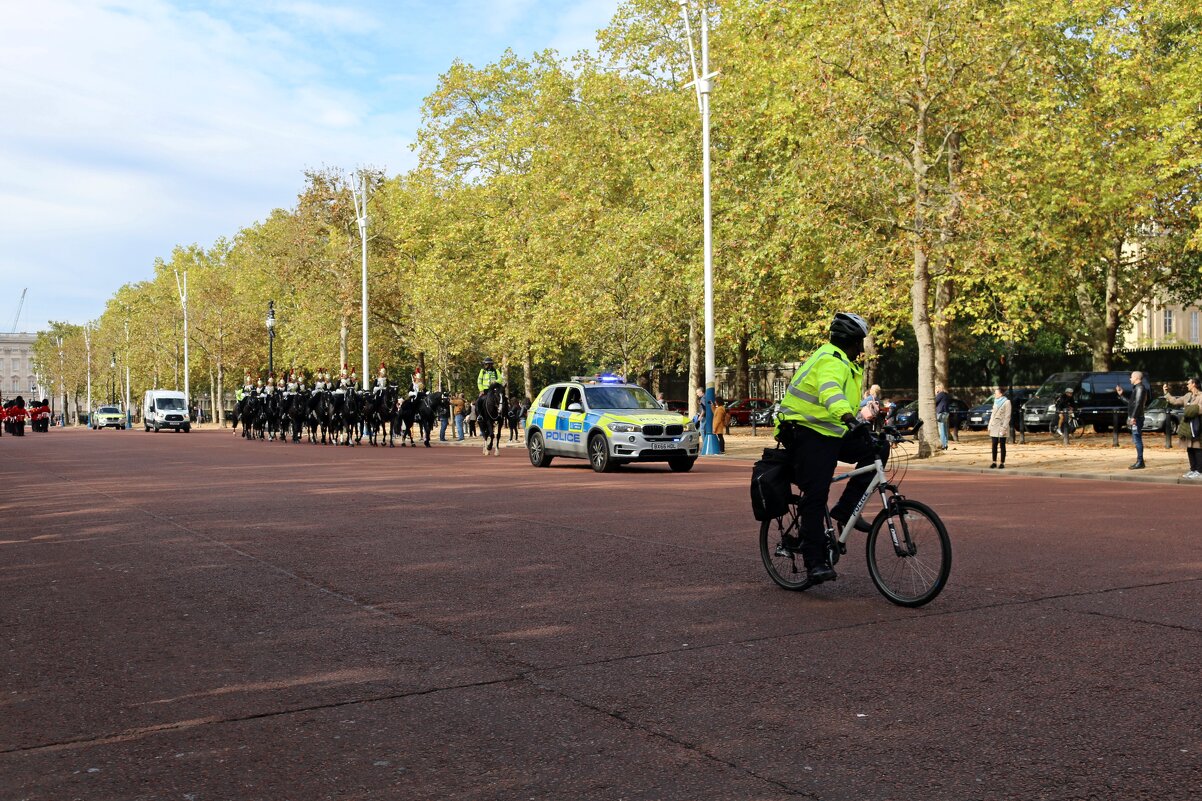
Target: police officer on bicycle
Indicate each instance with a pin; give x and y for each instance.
(1065, 404)
(817, 425)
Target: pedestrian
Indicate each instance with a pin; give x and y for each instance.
(444, 418)
(941, 401)
(870, 406)
(700, 418)
(458, 406)
(1191, 424)
(1137, 402)
(720, 422)
(999, 428)
(512, 414)
(471, 419)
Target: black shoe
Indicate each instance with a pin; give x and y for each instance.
(819, 574)
(993, 466)
(1136, 466)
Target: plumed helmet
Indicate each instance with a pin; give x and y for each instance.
(849, 326)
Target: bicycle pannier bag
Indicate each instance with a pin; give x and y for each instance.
(771, 484)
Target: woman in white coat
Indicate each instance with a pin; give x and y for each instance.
(999, 427)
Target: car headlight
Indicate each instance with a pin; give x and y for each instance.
(689, 426)
(625, 428)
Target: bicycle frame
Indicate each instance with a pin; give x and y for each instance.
(879, 481)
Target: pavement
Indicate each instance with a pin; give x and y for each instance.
(1091, 456)
(198, 617)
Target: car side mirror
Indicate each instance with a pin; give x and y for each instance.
(575, 407)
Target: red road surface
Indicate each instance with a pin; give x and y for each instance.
(200, 617)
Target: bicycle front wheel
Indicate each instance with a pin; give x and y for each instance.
(915, 570)
(785, 567)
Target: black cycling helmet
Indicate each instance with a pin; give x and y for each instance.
(488, 361)
(849, 326)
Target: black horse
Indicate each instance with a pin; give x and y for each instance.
(429, 406)
(406, 414)
(491, 411)
(378, 414)
(320, 410)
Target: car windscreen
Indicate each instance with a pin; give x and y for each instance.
(169, 404)
(620, 398)
(108, 410)
(1053, 389)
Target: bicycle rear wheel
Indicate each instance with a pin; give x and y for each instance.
(785, 567)
(916, 570)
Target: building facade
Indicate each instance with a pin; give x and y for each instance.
(1157, 324)
(16, 366)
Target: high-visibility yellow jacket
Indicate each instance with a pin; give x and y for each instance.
(823, 389)
(487, 378)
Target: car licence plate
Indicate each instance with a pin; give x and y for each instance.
(663, 446)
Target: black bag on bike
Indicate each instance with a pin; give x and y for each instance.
(771, 484)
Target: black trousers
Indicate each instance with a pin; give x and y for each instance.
(815, 458)
(1195, 458)
(998, 442)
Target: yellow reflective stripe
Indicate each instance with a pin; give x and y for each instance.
(833, 399)
(805, 396)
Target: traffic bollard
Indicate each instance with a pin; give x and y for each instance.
(1168, 432)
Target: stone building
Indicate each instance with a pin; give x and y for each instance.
(1158, 324)
(16, 366)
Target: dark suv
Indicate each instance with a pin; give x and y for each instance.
(1098, 404)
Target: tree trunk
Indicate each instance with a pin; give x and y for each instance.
(212, 395)
(742, 368)
(870, 362)
(942, 332)
(920, 291)
(505, 373)
(528, 373)
(696, 377)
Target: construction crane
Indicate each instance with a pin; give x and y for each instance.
(21, 305)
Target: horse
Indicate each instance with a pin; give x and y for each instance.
(295, 411)
(377, 414)
(491, 412)
(321, 407)
(427, 409)
(406, 413)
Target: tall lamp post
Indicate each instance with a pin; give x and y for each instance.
(702, 83)
(183, 300)
(270, 337)
(360, 195)
(113, 378)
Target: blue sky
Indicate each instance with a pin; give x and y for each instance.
(131, 126)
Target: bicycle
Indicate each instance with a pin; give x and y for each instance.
(1075, 429)
(906, 530)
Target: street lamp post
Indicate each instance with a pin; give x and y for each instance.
(87, 341)
(62, 381)
(129, 419)
(270, 337)
(183, 300)
(113, 378)
(702, 83)
(360, 195)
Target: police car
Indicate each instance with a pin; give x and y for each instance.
(609, 424)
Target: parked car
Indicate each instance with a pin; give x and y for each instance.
(978, 416)
(907, 416)
(765, 416)
(1159, 413)
(107, 417)
(678, 406)
(739, 412)
(1097, 402)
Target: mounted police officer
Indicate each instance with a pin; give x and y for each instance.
(488, 375)
(817, 425)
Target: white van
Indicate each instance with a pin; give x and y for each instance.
(165, 408)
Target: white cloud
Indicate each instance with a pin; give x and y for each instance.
(576, 28)
(140, 123)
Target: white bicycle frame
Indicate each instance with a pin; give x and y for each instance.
(878, 480)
